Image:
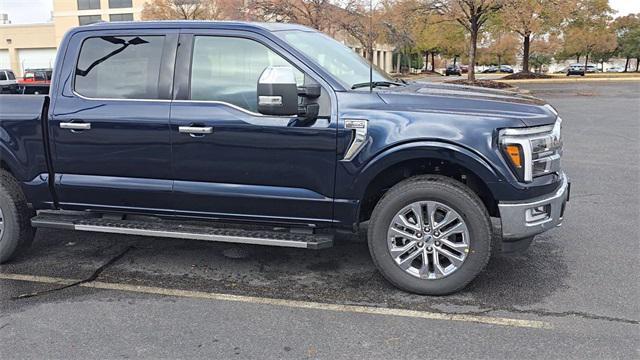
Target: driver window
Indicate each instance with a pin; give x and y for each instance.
(227, 69)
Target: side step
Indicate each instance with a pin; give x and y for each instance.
(208, 231)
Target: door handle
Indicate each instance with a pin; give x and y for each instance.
(75, 125)
(197, 130)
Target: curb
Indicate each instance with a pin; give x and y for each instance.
(542, 81)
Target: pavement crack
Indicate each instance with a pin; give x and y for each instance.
(91, 278)
(4, 326)
(582, 314)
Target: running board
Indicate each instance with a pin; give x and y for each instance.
(207, 231)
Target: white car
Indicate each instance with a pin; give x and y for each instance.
(8, 81)
(615, 69)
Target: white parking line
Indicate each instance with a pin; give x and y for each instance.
(285, 303)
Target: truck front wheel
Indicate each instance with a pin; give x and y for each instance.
(430, 235)
(16, 233)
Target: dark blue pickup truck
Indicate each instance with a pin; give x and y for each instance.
(273, 134)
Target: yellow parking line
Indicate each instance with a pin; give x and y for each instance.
(285, 303)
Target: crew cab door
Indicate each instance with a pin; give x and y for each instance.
(244, 165)
(109, 129)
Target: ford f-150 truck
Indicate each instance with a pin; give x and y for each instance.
(275, 134)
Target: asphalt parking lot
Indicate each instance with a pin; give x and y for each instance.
(573, 294)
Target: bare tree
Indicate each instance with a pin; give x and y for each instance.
(180, 10)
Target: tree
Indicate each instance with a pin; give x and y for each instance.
(180, 10)
(398, 27)
(355, 19)
(627, 30)
(502, 49)
(589, 32)
(472, 15)
(529, 18)
(313, 13)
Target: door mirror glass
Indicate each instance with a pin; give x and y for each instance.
(278, 91)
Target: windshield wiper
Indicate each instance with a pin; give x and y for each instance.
(376, 84)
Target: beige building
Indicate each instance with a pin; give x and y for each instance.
(34, 45)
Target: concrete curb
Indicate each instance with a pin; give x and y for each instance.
(569, 80)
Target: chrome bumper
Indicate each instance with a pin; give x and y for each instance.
(525, 219)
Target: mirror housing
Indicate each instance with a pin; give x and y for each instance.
(278, 91)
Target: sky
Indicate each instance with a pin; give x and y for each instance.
(38, 11)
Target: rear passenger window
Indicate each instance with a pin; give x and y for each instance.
(3, 76)
(119, 67)
(11, 75)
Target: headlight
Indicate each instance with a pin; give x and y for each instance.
(534, 151)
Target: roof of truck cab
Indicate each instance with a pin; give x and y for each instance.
(194, 24)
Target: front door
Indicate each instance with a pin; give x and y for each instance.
(244, 165)
(110, 126)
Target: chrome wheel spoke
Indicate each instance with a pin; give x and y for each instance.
(406, 262)
(456, 260)
(458, 246)
(401, 250)
(402, 233)
(456, 229)
(408, 224)
(416, 208)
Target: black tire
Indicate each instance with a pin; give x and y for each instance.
(451, 193)
(17, 234)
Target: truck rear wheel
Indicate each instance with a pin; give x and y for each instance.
(16, 233)
(430, 235)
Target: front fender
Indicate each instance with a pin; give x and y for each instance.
(416, 150)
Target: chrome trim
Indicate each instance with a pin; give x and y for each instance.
(513, 215)
(527, 131)
(192, 236)
(75, 126)
(360, 131)
(269, 100)
(236, 107)
(116, 99)
(195, 129)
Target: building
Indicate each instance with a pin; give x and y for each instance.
(34, 45)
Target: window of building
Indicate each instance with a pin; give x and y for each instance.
(119, 67)
(227, 69)
(89, 19)
(121, 17)
(117, 4)
(88, 4)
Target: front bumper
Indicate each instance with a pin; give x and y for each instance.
(522, 220)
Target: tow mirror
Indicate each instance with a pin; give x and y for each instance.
(278, 91)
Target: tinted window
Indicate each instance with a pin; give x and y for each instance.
(114, 4)
(3, 75)
(88, 4)
(125, 67)
(12, 76)
(227, 69)
(121, 17)
(89, 19)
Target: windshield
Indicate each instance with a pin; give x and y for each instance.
(337, 59)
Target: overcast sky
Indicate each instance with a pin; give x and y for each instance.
(35, 11)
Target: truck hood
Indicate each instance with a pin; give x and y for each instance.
(469, 100)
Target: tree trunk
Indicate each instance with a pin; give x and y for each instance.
(433, 61)
(586, 61)
(398, 62)
(626, 64)
(578, 59)
(472, 53)
(525, 54)
(455, 60)
(637, 64)
(426, 60)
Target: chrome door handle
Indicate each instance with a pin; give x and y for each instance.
(198, 130)
(75, 126)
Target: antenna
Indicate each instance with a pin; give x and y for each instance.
(370, 45)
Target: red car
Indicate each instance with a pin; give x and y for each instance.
(36, 76)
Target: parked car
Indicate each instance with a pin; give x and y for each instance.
(490, 70)
(575, 69)
(464, 69)
(8, 82)
(615, 69)
(36, 76)
(453, 70)
(246, 133)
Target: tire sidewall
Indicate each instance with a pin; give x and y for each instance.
(10, 236)
(475, 219)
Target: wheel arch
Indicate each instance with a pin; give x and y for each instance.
(421, 158)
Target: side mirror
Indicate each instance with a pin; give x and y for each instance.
(278, 91)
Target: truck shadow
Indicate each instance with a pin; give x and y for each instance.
(342, 274)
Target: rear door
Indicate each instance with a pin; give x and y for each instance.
(248, 166)
(110, 124)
